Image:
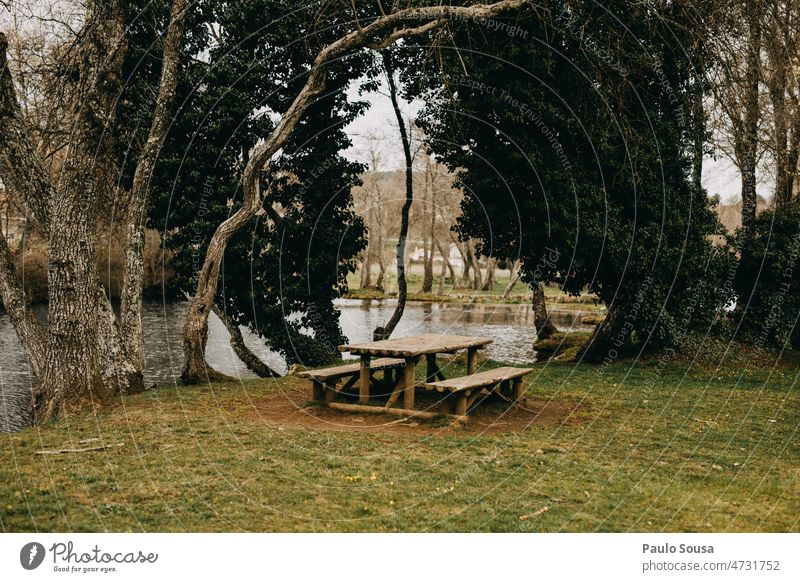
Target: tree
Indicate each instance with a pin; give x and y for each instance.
(138, 200)
(767, 281)
(84, 357)
(278, 277)
(576, 189)
(383, 332)
(381, 32)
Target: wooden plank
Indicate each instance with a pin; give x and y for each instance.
(398, 389)
(395, 411)
(477, 394)
(363, 382)
(417, 345)
(408, 381)
(349, 383)
(351, 369)
(479, 380)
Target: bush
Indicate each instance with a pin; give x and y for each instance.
(767, 280)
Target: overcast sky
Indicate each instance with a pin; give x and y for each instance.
(719, 176)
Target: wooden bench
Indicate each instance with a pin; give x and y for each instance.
(324, 380)
(467, 389)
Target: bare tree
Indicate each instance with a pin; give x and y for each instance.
(735, 40)
(131, 308)
(385, 331)
(780, 70)
(84, 358)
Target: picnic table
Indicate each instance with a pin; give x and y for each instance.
(411, 350)
(398, 359)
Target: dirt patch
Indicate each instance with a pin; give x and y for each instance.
(290, 408)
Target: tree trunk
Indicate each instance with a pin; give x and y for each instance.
(477, 276)
(131, 299)
(429, 229)
(446, 257)
(16, 156)
(379, 34)
(442, 274)
(777, 93)
(751, 117)
(252, 361)
(12, 294)
(544, 327)
(515, 274)
(793, 154)
(698, 119)
(381, 265)
(384, 332)
(465, 270)
(366, 268)
(27, 182)
(604, 344)
(72, 373)
(120, 375)
(366, 263)
(488, 285)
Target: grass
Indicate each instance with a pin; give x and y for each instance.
(644, 448)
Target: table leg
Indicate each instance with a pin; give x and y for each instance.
(519, 388)
(330, 391)
(461, 403)
(363, 385)
(472, 360)
(409, 373)
(430, 368)
(318, 390)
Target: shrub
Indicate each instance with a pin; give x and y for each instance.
(767, 281)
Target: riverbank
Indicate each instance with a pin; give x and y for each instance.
(625, 447)
(521, 293)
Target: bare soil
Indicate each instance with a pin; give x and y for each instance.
(291, 408)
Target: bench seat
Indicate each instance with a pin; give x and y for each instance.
(483, 379)
(467, 390)
(324, 381)
(336, 372)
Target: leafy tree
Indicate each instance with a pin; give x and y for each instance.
(279, 277)
(767, 280)
(573, 151)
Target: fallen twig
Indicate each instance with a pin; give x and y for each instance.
(83, 450)
(536, 513)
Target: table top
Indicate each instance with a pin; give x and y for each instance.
(418, 345)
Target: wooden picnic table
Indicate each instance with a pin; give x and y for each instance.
(412, 349)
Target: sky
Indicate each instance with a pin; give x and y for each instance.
(719, 176)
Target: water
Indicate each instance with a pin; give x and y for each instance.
(511, 327)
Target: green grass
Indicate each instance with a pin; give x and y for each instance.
(644, 448)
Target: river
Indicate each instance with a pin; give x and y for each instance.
(511, 327)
